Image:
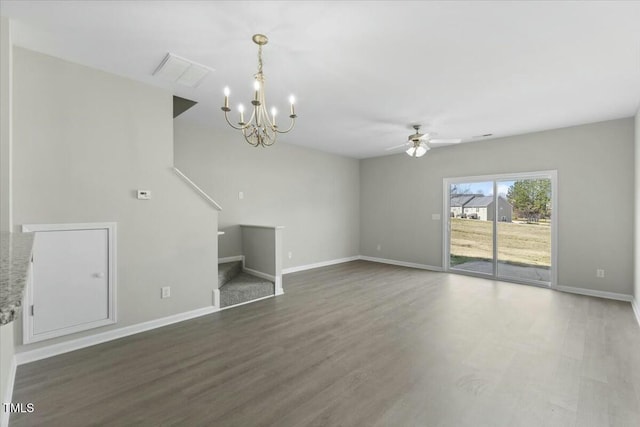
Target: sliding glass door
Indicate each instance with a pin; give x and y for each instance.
(471, 232)
(523, 234)
(501, 226)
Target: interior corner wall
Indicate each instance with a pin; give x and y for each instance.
(7, 344)
(636, 252)
(595, 198)
(6, 59)
(314, 195)
(84, 142)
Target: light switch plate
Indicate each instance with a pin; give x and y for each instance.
(435, 217)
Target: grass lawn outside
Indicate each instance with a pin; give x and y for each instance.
(518, 243)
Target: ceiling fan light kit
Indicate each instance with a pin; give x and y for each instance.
(261, 128)
(417, 150)
(420, 143)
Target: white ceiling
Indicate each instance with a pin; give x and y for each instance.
(363, 71)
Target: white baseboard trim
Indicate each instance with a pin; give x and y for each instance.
(8, 395)
(216, 299)
(246, 302)
(594, 293)
(231, 259)
(636, 309)
(260, 274)
(400, 263)
(28, 356)
(319, 264)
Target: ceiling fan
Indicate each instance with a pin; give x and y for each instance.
(419, 143)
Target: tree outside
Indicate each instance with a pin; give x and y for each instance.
(531, 199)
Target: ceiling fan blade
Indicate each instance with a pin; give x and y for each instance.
(445, 141)
(396, 147)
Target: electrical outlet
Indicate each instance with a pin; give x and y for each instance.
(241, 195)
(290, 255)
(379, 247)
(166, 292)
(600, 273)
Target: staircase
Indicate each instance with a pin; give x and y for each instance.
(237, 286)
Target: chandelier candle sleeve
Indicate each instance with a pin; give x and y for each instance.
(260, 129)
(256, 86)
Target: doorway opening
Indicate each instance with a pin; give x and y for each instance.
(502, 226)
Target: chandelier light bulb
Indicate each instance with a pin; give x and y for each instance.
(256, 85)
(226, 98)
(292, 101)
(241, 109)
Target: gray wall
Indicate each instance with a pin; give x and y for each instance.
(259, 249)
(314, 195)
(637, 210)
(595, 189)
(7, 350)
(5, 123)
(7, 347)
(84, 141)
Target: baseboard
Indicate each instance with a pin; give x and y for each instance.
(319, 264)
(401, 263)
(247, 302)
(28, 356)
(231, 259)
(8, 395)
(636, 309)
(260, 274)
(594, 293)
(216, 299)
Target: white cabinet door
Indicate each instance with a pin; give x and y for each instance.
(71, 288)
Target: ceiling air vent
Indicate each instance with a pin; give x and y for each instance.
(176, 69)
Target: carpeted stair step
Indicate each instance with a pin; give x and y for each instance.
(227, 271)
(245, 287)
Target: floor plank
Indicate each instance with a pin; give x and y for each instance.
(360, 344)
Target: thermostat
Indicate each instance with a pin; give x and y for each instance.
(144, 194)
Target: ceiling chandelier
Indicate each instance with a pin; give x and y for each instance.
(261, 128)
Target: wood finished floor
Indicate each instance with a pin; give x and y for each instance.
(360, 344)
